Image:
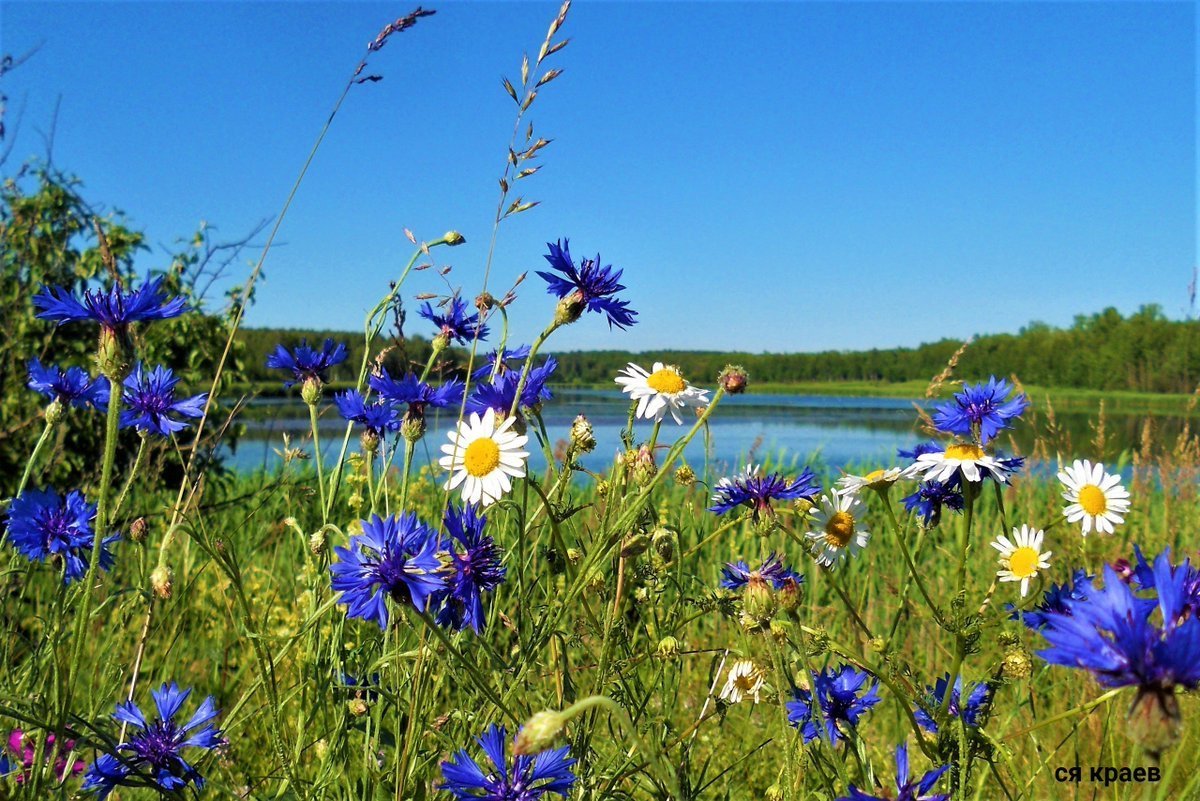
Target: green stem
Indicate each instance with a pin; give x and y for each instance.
(137, 464)
(33, 457)
(912, 568)
(312, 420)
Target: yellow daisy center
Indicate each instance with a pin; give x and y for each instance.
(666, 381)
(964, 452)
(745, 682)
(482, 457)
(874, 476)
(1093, 499)
(1024, 562)
(839, 529)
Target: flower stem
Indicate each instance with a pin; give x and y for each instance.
(312, 419)
(33, 457)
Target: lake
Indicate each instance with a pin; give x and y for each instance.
(834, 430)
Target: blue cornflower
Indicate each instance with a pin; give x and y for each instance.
(114, 310)
(1054, 600)
(73, 385)
(305, 363)
(528, 778)
(473, 570)
(931, 496)
(394, 556)
(150, 402)
(589, 287)
(838, 701)
(453, 322)
(980, 410)
(757, 491)
(376, 418)
(499, 393)
(906, 789)
(736, 575)
(920, 449)
(1143, 574)
(497, 362)
(1110, 634)
(153, 754)
(416, 393)
(44, 525)
(969, 712)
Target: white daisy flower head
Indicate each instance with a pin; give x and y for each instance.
(659, 391)
(876, 479)
(838, 531)
(965, 457)
(745, 679)
(1095, 497)
(483, 457)
(1022, 557)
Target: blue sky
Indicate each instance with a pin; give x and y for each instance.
(771, 176)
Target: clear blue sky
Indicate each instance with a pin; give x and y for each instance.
(783, 177)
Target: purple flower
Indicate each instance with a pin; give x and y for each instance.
(838, 703)
(931, 496)
(42, 525)
(919, 449)
(24, 747)
(499, 393)
(981, 410)
(1054, 600)
(153, 754)
(453, 322)
(526, 778)
(474, 569)
(593, 287)
(114, 310)
(394, 556)
(305, 363)
(73, 385)
(416, 393)
(1144, 574)
(376, 418)
(907, 789)
(497, 362)
(757, 491)
(150, 402)
(736, 575)
(977, 698)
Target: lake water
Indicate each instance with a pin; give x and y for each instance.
(834, 430)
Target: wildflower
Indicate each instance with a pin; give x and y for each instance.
(23, 746)
(115, 310)
(590, 287)
(472, 572)
(1189, 583)
(875, 480)
(497, 362)
(661, 391)
(1096, 497)
(526, 778)
(977, 698)
(965, 461)
(750, 488)
(376, 418)
(745, 679)
(980, 410)
(838, 703)
(499, 393)
(43, 525)
(539, 732)
(931, 496)
(1054, 600)
(906, 789)
(394, 556)
(736, 575)
(733, 379)
(583, 436)
(483, 457)
(918, 450)
(453, 323)
(150, 402)
(308, 365)
(154, 753)
(71, 386)
(416, 393)
(838, 531)
(1022, 557)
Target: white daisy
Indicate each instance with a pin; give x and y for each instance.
(660, 391)
(876, 479)
(483, 457)
(838, 531)
(1021, 558)
(1096, 497)
(745, 679)
(961, 456)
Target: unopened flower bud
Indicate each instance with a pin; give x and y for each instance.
(664, 540)
(54, 412)
(803, 507)
(454, 238)
(574, 555)
(733, 379)
(644, 468)
(635, 544)
(358, 707)
(539, 732)
(412, 427)
(789, 594)
(484, 301)
(137, 530)
(112, 354)
(685, 476)
(758, 598)
(774, 793)
(160, 581)
(601, 488)
(369, 440)
(781, 630)
(583, 438)
(318, 542)
(668, 648)
(595, 581)
(310, 391)
(1016, 664)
